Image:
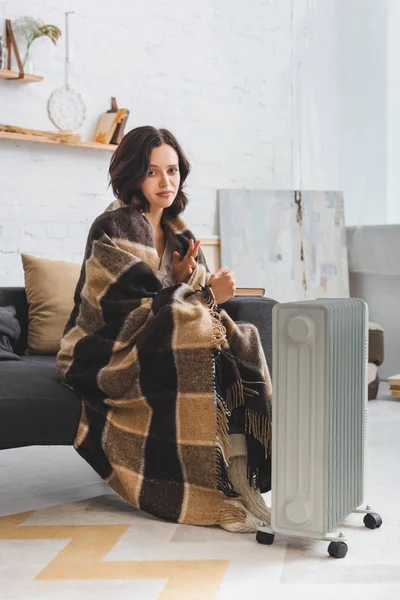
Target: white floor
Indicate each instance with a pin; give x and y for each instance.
(45, 477)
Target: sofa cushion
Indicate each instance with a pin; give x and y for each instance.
(15, 296)
(258, 311)
(376, 351)
(50, 287)
(10, 331)
(35, 408)
(373, 389)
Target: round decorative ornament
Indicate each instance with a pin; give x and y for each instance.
(66, 107)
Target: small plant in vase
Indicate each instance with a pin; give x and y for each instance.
(32, 29)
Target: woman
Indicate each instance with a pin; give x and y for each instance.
(164, 374)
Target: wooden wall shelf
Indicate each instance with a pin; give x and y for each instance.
(21, 137)
(14, 76)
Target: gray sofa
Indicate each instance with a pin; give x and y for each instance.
(36, 410)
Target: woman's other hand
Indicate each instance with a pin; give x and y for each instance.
(222, 284)
(182, 269)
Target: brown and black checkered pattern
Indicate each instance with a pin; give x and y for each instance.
(159, 372)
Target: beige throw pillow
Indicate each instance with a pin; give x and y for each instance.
(50, 287)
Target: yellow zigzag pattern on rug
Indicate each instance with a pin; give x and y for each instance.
(83, 558)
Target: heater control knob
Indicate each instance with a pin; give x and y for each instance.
(299, 328)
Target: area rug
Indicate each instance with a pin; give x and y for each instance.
(95, 547)
(101, 548)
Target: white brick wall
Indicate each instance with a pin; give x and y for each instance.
(393, 116)
(249, 88)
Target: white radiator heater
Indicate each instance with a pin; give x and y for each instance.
(320, 356)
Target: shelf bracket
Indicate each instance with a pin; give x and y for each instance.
(10, 42)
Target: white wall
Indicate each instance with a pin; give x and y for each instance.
(393, 163)
(211, 72)
(256, 92)
(340, 103)
(362, 81)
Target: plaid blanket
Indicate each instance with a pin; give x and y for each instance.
(160, 373)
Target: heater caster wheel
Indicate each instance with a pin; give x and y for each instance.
(337, 549)
(372, 521)
(265, 538)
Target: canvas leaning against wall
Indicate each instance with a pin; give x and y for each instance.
(291, 243)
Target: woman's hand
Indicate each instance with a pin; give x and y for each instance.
(182, 269)
(223, 285)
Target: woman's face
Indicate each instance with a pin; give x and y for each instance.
(162, 182)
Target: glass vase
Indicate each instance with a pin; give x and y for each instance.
(28, 62)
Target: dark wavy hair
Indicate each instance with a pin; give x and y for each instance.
(130, 165)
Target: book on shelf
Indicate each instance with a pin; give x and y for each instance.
(120, 128)
(394, 380)
(106, 126)
(394, 383)
(111, 125)
(250, 291)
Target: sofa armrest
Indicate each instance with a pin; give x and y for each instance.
(258, 311)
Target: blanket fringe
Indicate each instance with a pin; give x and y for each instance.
(230, 393)
(258, 466)
(259, 427)
(223, 482)
(222, 427)
(259, 442)
(223, 442)
(235, 395)
(232, 512)
(218, 331)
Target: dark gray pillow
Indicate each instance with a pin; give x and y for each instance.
(9, 333)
